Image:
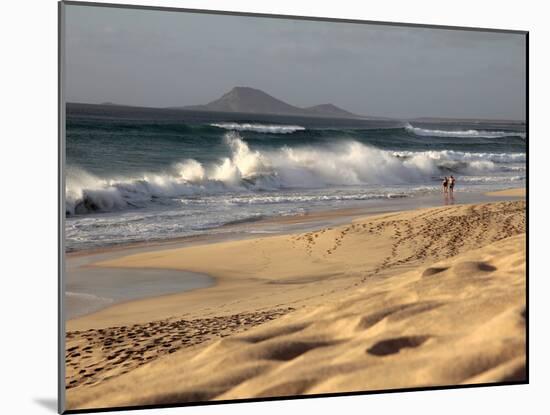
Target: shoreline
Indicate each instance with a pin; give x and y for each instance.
(323, 307)
(314, 217)
(314, 222)
(83, 262)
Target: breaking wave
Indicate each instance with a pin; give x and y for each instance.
(259, 128)
(462, 133)
(249, 171)
(452, 155)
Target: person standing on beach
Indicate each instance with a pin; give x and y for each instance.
(445, 184)
(451, 184)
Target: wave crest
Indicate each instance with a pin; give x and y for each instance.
(462, 133)
(259, 128)
(246, 170)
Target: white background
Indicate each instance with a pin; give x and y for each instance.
(28, 204)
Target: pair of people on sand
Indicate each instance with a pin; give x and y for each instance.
(448, 184)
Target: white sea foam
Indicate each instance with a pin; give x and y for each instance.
(250, 171)
(491, 179)
(465, 156)
(462, 133)
(292, 198)
(259, 128)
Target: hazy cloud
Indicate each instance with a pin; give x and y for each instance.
(157, 58)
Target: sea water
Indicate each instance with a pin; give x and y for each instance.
(135, 174)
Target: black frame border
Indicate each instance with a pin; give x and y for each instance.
(61, 205)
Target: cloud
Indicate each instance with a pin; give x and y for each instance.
(157, 58)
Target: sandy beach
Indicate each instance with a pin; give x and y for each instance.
(422, 297)
(517, 192)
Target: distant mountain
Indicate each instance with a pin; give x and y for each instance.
(250, 100)
(330, 110)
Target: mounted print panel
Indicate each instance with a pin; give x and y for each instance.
(257, 207)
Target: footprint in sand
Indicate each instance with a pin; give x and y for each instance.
(428, 272)
(149, 342)
(392, 346)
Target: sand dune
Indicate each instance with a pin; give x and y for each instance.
(425, 297)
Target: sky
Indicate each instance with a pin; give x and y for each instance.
(162, 59)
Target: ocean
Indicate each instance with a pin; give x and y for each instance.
(137, 174)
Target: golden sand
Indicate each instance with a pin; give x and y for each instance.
(519, 192)
(418, 298)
